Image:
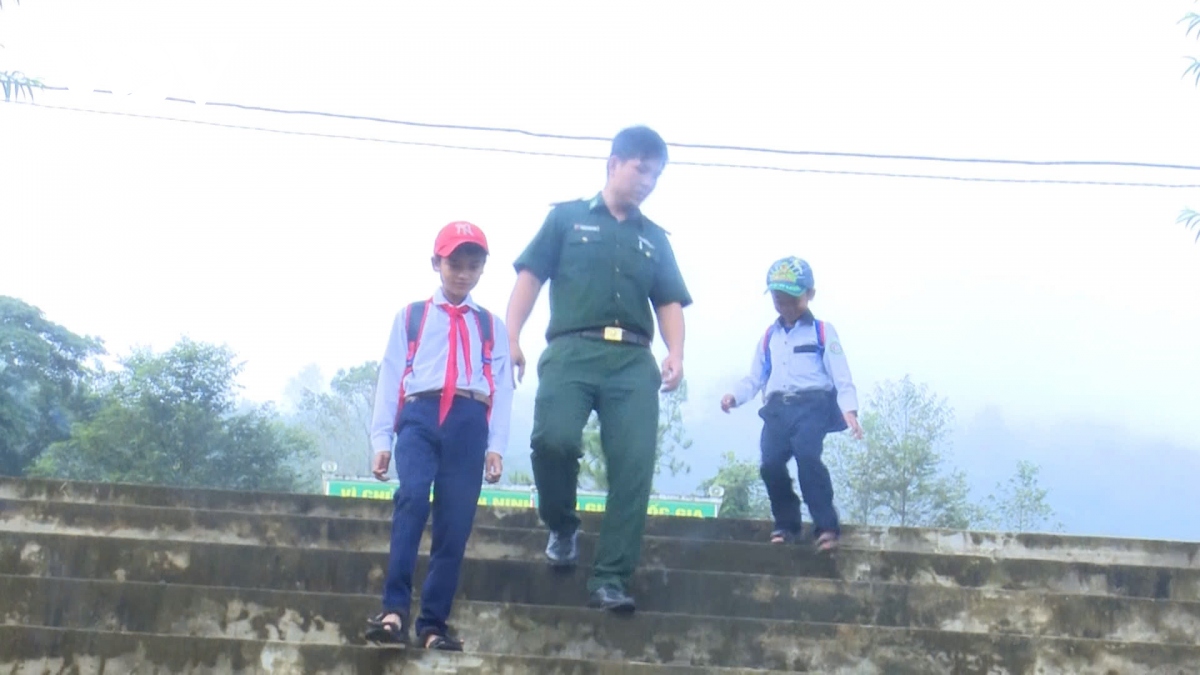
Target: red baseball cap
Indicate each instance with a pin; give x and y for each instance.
(456, 234)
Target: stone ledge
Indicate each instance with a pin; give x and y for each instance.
(571, 631)
(38, 650)
(1026, 545)
(497, 580)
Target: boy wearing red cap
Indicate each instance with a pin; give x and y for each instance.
(443, 402)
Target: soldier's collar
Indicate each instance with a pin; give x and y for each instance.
(635, 214)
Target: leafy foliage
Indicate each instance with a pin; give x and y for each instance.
(522, 478)
(898, 473)
(16, 84)
(1191, 220)
(172, 419)
(339, 418)
(43, 383)
(744, 494)
(672, 438)
(1188, 217)
(1021, 505)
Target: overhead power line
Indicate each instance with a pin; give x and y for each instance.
(563, 155)
(696, 146)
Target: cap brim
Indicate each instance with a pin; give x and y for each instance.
(790, 289)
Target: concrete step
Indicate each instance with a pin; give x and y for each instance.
(667, 591)
(572, 631)
(659, 553)
(493, 537)
(918, 540)
(26, 650)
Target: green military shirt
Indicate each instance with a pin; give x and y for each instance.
(603, 272)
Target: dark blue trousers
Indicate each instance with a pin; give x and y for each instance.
(450, 459)
(795, 428)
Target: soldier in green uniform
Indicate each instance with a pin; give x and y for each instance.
(612, 271)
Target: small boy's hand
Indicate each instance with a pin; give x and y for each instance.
(852, 422)
(728, 402)
(379, 464)
(493, 467)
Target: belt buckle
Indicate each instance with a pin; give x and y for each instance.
(613, 334)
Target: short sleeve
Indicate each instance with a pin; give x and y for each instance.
(540, 257)
(668, 281)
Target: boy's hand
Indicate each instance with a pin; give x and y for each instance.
(379, 464)
(493, 467)
(728, 402)
(852, 422)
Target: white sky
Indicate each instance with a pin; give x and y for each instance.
(1046, 301)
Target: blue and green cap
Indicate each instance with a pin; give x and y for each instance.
(790, 275)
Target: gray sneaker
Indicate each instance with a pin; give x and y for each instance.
(563, 550)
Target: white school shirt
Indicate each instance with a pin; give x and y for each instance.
(429, 371)
(793, 371)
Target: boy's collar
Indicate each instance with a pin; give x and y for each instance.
(439, 298)
(805, 317)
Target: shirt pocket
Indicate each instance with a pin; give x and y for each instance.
(582, 248)
(806, 364)
(641, 261)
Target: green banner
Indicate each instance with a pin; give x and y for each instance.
(524, 498)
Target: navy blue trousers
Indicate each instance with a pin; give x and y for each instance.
(450, 459)
(795, 428)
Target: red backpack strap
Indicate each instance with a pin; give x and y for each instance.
(483, 319)
(414, 325)
(766, 347)
(820, 335)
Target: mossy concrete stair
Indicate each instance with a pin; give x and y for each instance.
(120, 578)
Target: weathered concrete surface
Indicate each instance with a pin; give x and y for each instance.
(137, 579)
(691, 558)
(659, 553)
(37, 650)
(679, 592)
(918, 540)
(575, 632)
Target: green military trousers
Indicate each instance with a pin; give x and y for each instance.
(621, 382)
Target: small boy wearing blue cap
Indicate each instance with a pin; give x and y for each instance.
(800, 367)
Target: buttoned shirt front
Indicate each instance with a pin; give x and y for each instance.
(797, 365)
(603, 272)
(429, 371)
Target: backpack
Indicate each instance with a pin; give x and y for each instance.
(414, 325)
(766, 343)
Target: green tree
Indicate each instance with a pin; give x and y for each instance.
(744, 494)
(672, 439)
(172, 419)
(338, 418)
(15, 84)
(1021, 505)
(44, 378)
(1189, 217)
(518, 477)
(1191, 220)
(898, 473)
(1192, 19)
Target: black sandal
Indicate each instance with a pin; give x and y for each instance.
(387, 632)
(436, 640)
